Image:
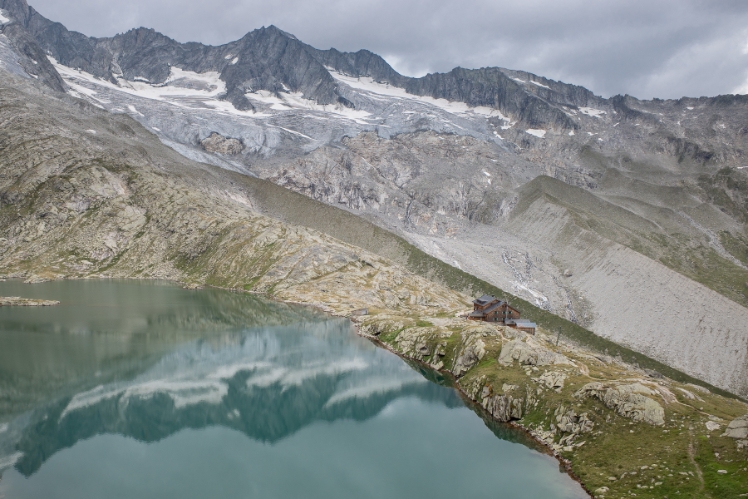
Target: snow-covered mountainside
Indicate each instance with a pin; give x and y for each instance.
(626, 216)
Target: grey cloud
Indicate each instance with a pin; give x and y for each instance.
(644, 48)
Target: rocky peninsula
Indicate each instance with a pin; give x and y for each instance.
(620, 430)
(17, 301)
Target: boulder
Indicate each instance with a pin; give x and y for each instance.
(738, 428)
(601, 491)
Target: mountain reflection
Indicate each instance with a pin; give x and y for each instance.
(104, 331)
(147, 360)
(264, 382)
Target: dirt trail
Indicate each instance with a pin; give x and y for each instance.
(691, 458)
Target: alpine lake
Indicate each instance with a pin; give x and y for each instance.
(138, 389)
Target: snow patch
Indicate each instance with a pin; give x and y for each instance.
(591, 111)
(234, 60)
(518, 80)
(153, 127)
(93, 132)
(536, 133)
(571, 133)
(288, 101)
(460, 108)
(689, 108)
(228, 57)
(4, 19)
(540, 84)
(134, 110)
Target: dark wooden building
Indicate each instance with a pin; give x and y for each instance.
(488, 308)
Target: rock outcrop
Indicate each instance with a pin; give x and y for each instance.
(629, 400)
(568, 421)
(738, 429)
(504, 408)
(217, 143)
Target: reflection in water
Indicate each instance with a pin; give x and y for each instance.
(112, 330)
(266, 383)
(197, 361)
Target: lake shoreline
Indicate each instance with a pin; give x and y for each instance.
(476, 407)
(472, 404)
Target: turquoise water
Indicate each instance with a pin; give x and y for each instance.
(145, 390)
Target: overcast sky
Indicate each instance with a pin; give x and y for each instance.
(645, 48)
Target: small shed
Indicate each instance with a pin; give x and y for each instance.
(523, 325)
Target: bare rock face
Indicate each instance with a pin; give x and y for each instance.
(630, 401)
(217, 143)
(504, 407)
